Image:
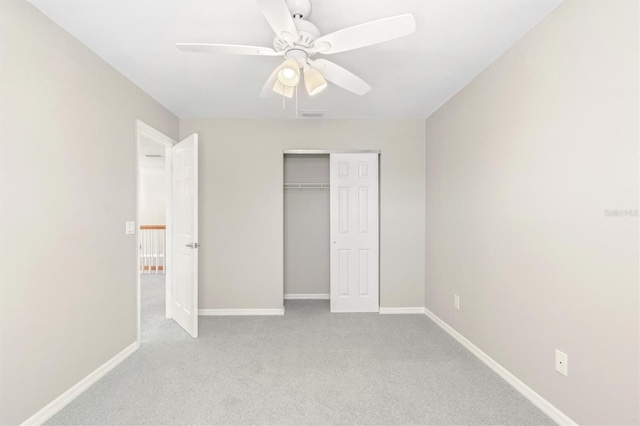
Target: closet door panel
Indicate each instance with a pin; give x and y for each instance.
(354, 232)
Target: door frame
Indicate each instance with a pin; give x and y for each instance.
(335, 151)
(143, 130)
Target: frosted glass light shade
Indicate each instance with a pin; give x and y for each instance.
(289, 73)
(283, 90)
(313, 81)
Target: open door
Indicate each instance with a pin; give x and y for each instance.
(353, 199)
(184, 309)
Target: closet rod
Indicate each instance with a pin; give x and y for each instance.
(332, 151)
(305, 185)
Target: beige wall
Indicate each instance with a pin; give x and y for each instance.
(152, 197)
(521, 166)
(67, 166)
(241, 204)
(306, 226)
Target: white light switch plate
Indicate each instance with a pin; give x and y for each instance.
(129, 227)
(562, 363)
(456, 302)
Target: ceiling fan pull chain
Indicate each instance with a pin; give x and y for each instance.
(283, 108)
(296, 101)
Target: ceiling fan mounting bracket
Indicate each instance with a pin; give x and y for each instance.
(299, 8)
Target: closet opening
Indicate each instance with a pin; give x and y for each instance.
(331, 231)
(306, 230)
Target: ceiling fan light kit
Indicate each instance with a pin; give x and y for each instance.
(289, 73)
(298, 41)
(313, 81)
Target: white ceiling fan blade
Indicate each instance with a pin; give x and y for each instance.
(267, 89)
(279, 17)
(233, 49)
(366, 34)
(341, 77)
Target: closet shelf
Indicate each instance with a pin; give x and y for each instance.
(305, 185)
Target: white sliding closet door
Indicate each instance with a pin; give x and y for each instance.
(354, 232)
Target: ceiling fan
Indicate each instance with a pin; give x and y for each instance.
(299, 41)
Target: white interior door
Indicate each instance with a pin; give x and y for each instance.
(184, 309)
(354, 232)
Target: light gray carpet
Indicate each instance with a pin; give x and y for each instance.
(306, 367)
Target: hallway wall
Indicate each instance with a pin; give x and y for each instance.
(152, 197)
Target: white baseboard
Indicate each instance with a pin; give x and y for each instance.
(233, 312)
(306, 296)
(60, 402)
(545, 406)
(416, 310)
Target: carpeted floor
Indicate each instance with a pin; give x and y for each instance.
(306, 367)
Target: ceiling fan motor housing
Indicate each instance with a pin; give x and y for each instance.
(307, 35)
(307, 32)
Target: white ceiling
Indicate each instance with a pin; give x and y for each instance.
(411, 77)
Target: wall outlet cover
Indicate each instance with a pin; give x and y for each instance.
(562, 365)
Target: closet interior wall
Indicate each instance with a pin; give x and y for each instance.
(306, 225)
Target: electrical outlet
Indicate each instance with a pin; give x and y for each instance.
(562, 363)
(456, 302)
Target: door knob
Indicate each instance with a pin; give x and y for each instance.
(190, 245)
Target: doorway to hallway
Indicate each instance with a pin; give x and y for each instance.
(152, 200)
(171, 248)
